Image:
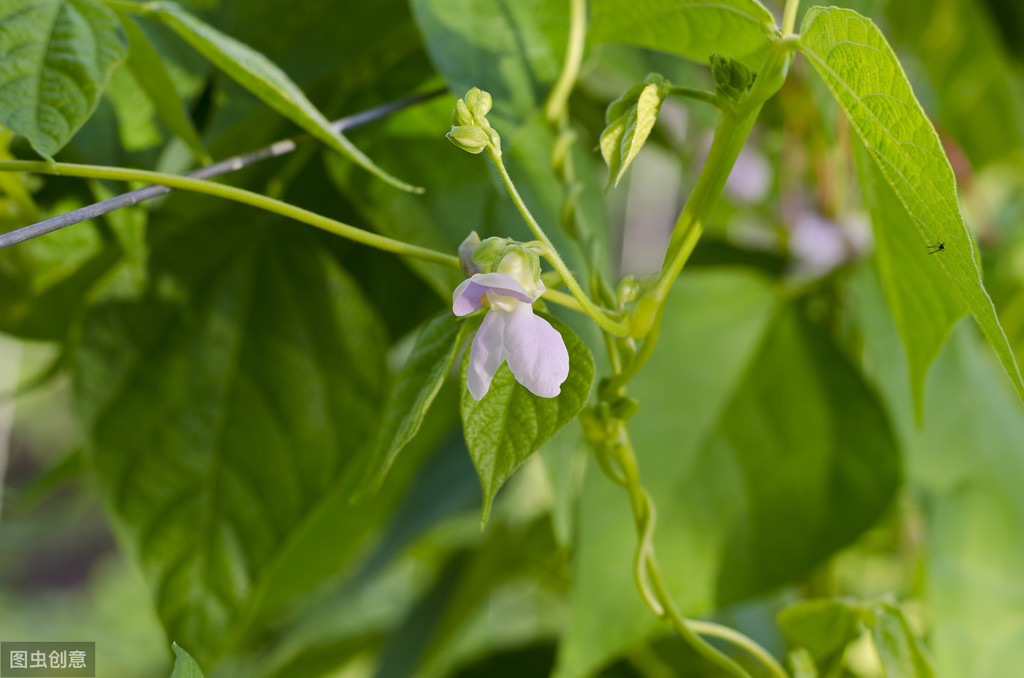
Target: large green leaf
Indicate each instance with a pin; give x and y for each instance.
(509, 423)
(57, 57)
(924, 300)
(264, 79)
(762, 447)
(857, 64)
(222, 414)
(695, 29)
(513, 50)
(966, 466)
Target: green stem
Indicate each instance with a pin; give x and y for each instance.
(238, 195)
(733, 130)
(617, 328)
(646, 570)
(713, 630)
(559, 98)
(695, 94)
(789, 16)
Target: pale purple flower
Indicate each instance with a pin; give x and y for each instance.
(510, 332)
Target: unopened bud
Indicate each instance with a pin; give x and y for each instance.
(479, 103)
(469, 138)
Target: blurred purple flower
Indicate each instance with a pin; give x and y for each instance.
(510, 332)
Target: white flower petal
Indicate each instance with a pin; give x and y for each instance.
(487, 353)
(535, 352)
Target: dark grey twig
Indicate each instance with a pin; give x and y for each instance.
(274, 150)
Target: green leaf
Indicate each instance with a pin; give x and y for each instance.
(264, 79)
(630, 119)
(823, 627)
(695, 29)
(861, 70)
(184, 665)
(509, 423)
(513, 50)
(413, 392)
(57, 58)
(924, 300)
(965, 466)
(148, 68)
(223, 414)
(898, 648)
(763, 448)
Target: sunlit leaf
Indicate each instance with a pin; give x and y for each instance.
(925, 301)
(857, 64)
(57, 56)
(630, 119)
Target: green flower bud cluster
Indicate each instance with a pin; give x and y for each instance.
(470, 130)
(732, 79)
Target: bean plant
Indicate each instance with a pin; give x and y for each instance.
(615, 338)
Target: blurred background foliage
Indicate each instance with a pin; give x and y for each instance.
(118, 331)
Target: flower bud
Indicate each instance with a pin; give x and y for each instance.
(469, 138)
(732, 79)
(466, 250)
(487, 252)
(479, 103)
(461, 114)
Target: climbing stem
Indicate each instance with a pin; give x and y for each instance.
(238, 195)
(559, 98)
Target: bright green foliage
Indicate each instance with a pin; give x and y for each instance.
(823, 628)
(629, 120)
(151, 74)
(177, 400)
(185, 666)
(263, 78)
(505, 427)
(757, 485)
(965, 464)
(924, 300)
(897, 646)
(414, 390)
(57, 57)
(695, 29)
(860, 68)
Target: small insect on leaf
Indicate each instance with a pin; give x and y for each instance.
(941, 247)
